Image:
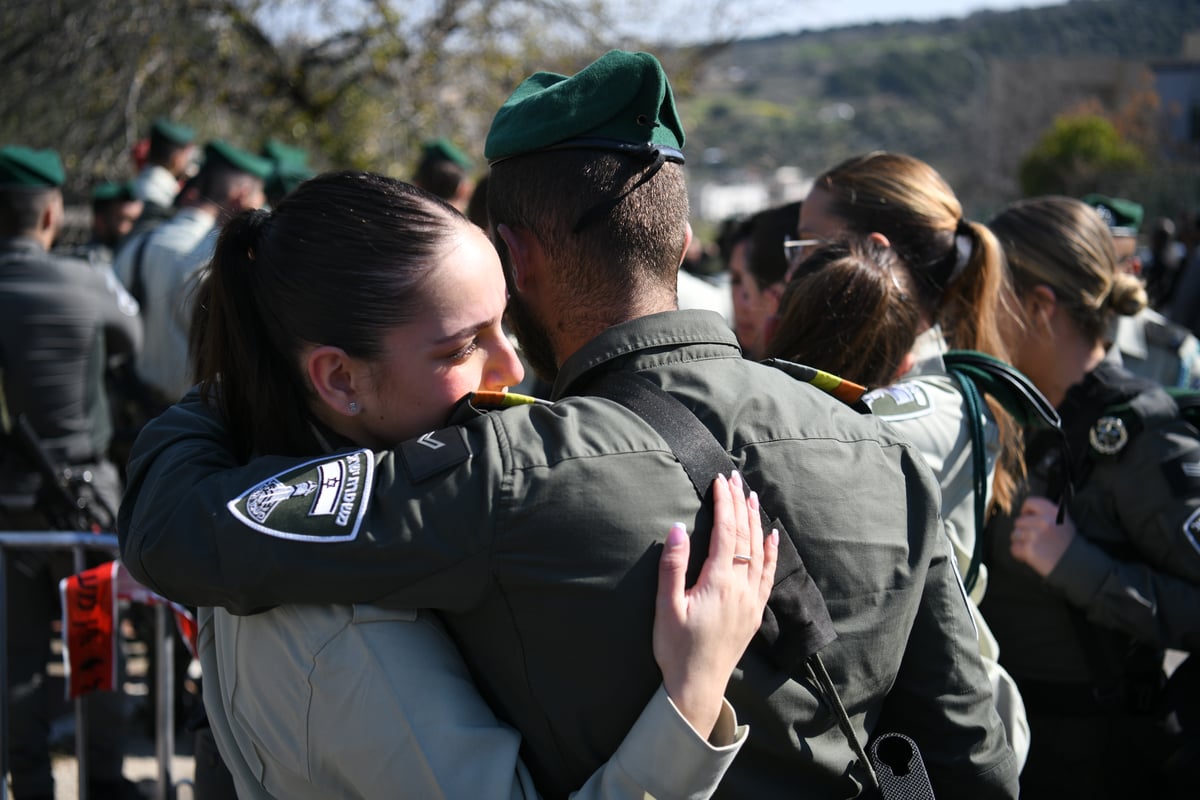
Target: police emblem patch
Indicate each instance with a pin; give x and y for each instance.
(1108, 436)
(900, 401)
(323, 500)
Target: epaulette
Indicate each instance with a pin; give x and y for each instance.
(848, 392)
(477, 404)
(446, 447)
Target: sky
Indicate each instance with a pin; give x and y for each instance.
(790, 16)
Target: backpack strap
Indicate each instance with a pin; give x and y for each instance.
(976, 374)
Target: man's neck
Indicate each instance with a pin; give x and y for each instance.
(576, 331)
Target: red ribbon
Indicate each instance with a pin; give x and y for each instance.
(89, 602)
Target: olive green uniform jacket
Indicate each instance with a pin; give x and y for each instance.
(535, 532)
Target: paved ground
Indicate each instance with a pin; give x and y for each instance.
(141, 765)
(141, 762)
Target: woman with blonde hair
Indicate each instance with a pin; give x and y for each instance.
(1085, 596)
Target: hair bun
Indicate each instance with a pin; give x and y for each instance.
(1127, 296)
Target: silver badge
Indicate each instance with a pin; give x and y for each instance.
(1108, 436)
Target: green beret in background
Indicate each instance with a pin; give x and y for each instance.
(220, 151)
(284, 155)
(104, 192)
(442, 149)
(622, 101)
(24, 166)
(286, 178)
(173, 131)
(1123, 217)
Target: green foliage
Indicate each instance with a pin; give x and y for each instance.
(1077, 153)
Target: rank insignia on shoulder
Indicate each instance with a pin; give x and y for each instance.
(434, 452)
(323, 500)
(1191, 530)
(900, 401)
(1108, 436)
(1183, 475)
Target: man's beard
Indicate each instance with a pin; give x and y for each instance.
(533, 337)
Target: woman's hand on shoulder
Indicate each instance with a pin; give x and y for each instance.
(700, 633)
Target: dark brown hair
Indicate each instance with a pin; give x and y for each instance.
(907, 201)
(339, 262)
(849, 311)
(635, 244)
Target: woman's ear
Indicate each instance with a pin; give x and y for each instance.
(337, 379)
(906, 364)
(1039, 305)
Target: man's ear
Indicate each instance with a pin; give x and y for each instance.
(524, 255)
(337, 379)
(687, 242)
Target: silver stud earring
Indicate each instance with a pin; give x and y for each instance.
(353, 408)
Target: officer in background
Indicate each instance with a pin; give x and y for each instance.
(172, 147)
(115, 209)
(533, 526)
(445, 170)
(60, 320)
(158, 266)
(1147, 344)
(290, 168)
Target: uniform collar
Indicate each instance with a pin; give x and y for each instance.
(928, 348)
(22, 244)
(653, 340)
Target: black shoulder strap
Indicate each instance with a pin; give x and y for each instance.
(795, 596)
(137, 281)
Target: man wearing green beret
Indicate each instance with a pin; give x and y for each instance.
(533, 528)
(115, 209)
(172, 147)
(159, 265)
(1147, 344)
(60, 320)
(445, 170)
(289, 169)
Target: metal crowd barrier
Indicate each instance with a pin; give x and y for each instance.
(164, 717)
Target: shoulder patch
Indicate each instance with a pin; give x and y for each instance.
(434, 452)
(907, 400)
(323, 500)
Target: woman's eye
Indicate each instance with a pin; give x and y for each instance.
(464, 353)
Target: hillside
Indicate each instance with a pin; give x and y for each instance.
(931, 89)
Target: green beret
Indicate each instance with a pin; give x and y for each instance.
(23, 166)
(172, 131)
(283, 154)
(442, 149)
(218, 151)
(105, 192)
(285, 178)
(619, 102)
(1123, 217)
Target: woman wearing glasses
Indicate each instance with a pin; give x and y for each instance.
(924, 280)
